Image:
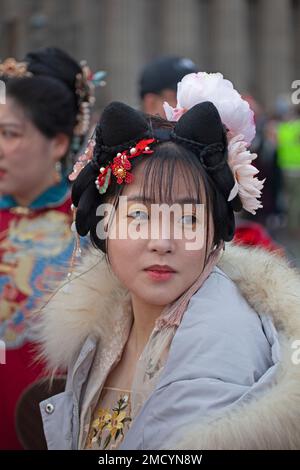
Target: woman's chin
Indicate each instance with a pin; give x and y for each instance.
(158, 299)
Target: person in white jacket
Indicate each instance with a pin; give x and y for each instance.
(169, 341)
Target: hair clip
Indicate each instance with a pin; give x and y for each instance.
(11, 68)
(121, 166)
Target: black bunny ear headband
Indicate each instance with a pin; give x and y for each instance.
(124, 133)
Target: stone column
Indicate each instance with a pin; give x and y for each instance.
(229, 41)
(91, 44)
(14, 38)
(275, 55)
(181, 26)
(123, 46)
(296, 42)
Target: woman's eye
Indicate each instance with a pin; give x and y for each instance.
(138, 215)
(7, 134)
(189, 219)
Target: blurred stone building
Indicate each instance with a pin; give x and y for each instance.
(252, 42)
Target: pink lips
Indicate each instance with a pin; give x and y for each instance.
(160, 273)
(2, 173)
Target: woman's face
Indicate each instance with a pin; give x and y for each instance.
(131, 258)
(27, 157)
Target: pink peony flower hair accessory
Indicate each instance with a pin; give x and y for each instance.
(238, 119)
(247, 186)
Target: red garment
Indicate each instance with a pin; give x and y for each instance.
(254, 234)
(34, 247)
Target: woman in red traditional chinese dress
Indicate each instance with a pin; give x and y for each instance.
(44, 120)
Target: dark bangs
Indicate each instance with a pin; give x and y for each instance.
(171, 162)
(162, 170)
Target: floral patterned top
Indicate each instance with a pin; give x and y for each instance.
(36, 244)
(111, 419)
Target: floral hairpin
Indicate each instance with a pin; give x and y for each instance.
(11, 68)
(238, 118)
(121, 166)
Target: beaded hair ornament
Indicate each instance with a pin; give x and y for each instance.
(120, 166)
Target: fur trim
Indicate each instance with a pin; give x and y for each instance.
(88, 304)
(273, 420)
(268, 284)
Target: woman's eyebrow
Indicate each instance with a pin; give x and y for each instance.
(10, 123)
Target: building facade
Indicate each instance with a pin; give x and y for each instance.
(254, 43)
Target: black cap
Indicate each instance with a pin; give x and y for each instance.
(164, 73)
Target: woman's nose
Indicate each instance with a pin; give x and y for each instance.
(160, 239)
(161, 245)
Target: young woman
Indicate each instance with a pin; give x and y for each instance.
(170, 341)
(44, 119)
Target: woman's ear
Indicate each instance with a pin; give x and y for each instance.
(60, 146)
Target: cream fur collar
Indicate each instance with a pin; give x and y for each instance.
(268, 284)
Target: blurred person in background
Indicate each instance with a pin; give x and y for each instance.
(43, 123)
(251, 229)
(158, 82)
(288, 134)
(265, 146)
